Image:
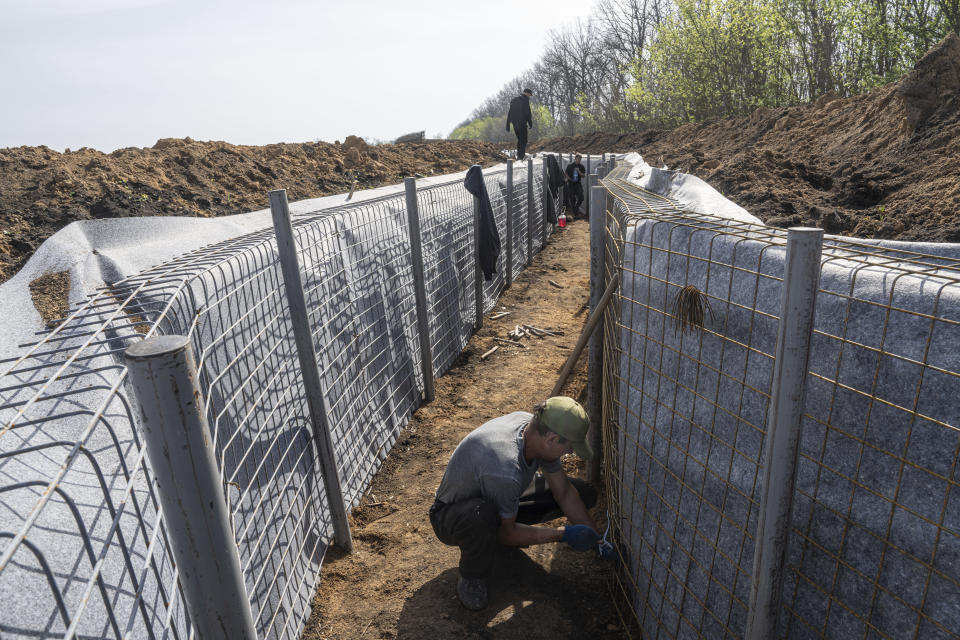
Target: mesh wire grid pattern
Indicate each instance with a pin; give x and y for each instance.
(687, 415)
(496, 184)
(875, 544)
(876, 518)
(520, 228)
(84, 547)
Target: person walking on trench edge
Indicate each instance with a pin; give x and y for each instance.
(490, 494)
(520, 117)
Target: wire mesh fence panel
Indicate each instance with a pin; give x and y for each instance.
(875, 537)
(257, 410)
(360, 287)
(521, 229)
(496, 183)
(688, 410)
(539, 220)
(84, 551)
(446, 222)
(875, 543)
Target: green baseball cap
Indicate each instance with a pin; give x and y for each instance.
(565, 417)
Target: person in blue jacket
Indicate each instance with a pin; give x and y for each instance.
(491, 494)
(521, 118)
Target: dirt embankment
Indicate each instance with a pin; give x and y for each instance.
(42, 190)
(885, 164)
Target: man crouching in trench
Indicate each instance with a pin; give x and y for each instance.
(488, 495)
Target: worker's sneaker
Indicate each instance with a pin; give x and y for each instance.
(472, 593)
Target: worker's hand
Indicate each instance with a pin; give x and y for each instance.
(580, 537)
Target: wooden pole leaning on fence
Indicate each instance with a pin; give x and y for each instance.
(801, 279)
(316, 399)
(419, 287)
(510, 208)
(163, 374)
(597, 197)
(592, 323)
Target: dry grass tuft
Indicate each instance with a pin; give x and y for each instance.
(688, 309)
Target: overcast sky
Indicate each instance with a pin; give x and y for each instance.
(122, 73)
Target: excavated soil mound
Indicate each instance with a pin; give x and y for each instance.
(42, 190)
(885, 164)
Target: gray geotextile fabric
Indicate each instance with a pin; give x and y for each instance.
(96, 544)
(876, 527)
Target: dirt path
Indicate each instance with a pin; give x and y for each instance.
(399, 581)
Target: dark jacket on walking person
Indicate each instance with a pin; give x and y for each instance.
(575, 174)
(521, 118)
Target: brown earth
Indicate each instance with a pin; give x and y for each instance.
(885, 164)
(399, 582)
(42, 190)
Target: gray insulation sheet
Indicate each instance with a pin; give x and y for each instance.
(875, 541)
(94, 554)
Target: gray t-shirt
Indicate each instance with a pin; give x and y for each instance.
(489, 463)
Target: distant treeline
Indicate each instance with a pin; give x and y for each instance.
(660, 63)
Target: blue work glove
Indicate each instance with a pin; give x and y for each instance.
(580, 537)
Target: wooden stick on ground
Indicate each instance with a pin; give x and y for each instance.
(556, 284)
(484, 356)
(513, 342)
(541, 331)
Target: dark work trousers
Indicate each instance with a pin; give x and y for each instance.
(574, 195)
(521, 131)
(472, 524)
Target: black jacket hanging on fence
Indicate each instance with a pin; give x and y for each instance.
(555, 182)
(488, 241)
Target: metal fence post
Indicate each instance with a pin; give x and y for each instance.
(597, 198)
(590, 172)
(477, 271)
(163, 374)
(509, 195)
(545, 177)
(531, 203)
(797, 306)
(419, 287)
(316, 400)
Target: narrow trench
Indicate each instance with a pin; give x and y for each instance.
(399, 581)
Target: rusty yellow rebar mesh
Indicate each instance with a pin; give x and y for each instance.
(874, 547)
